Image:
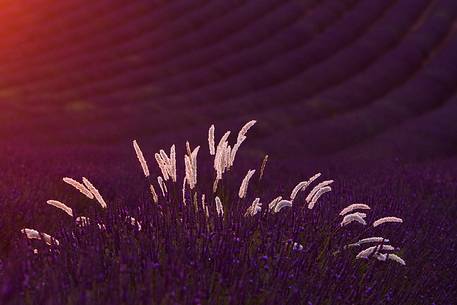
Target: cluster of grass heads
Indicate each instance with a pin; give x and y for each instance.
(177, 248)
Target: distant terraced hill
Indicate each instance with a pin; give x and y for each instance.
(370, 79)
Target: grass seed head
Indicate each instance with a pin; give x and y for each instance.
(349, 218)
(211, 144)
(34, 234)
(61, 206)
(245, 184)
(95, 192)
(219, 206)
(318, 195)
(274, 202)
(141, 159)
(79, 186)
(282, 204)
(389, 219)
(353, 207)
(368, 251)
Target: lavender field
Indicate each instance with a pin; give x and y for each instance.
(228, 152)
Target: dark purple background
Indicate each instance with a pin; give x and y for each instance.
(360, 79)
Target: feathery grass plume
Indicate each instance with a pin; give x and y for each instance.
(282, 204)
(184, 182)
(367, 241)
(193, 159)
(94, 191)
(188, 169)
(396, 258)
(188, 149)
(389, 219)
(174, 176)
(318, 195)
(228, 156)
(166, 159)
(61, 206)
(79, 186)
(316, 189)
(313, 178)
(255, 207)
(155, 198)
(274, 202)
(31, 233)
(220, 160)
(245, 183)
(167, 164)
(372, 240)
(262, 167)
(224, 154)
(233, 152)
(162, 185)
(163, 156)
(223, 139)
(215, 184)
(141, 159)
(219, 207)
(212, 149)
(302, 186)
(162, 165)
(240, 139)
(368, 251)
(34, 234)
(190, 162)
(297, 188)
(244, 130)
(205, 206)
(353, 217)
(353, 207)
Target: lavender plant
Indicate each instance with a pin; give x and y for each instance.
(208, 219)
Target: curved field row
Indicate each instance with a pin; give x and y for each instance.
(343, 75)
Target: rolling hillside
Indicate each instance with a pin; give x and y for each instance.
(373, 79)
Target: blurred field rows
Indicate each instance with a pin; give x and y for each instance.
(373, 79)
